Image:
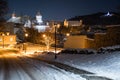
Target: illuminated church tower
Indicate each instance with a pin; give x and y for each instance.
(39, 18)
(13, 15)
(40, 26)
(14, 18)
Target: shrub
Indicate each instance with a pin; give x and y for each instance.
(77, 51)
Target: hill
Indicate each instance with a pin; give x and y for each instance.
(99, 18)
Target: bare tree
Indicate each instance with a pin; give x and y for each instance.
(48, 41)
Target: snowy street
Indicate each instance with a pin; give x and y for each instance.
(14, 66)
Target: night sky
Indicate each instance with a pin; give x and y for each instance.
(61, 9)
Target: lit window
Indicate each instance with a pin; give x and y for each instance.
(0, 39)
(8, 33)
(11, 39)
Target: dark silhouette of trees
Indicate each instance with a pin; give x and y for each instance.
(118, 8)
(3, 8)
(3, 11)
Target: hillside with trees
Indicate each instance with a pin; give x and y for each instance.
(100, 18)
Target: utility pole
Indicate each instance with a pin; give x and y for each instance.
(55, 43)
(3, 39)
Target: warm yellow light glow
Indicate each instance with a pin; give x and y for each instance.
(3, 34)
(67, 34)
(44, 35)
(26, 35)
(58, 25)
(8, 33)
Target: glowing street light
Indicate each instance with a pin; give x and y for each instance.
(67, 34)
(26, 34)
(44, 35)
(3, 39)
(25, 44)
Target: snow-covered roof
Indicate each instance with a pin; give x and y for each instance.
(15, 20)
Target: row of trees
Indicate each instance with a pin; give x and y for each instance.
(3, 12)
(43, 38)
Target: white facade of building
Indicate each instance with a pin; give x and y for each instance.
(40, 26)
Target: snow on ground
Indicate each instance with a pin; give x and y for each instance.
(20, 67)
(107, 65)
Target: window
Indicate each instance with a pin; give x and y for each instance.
(0, 39)
(11, 39)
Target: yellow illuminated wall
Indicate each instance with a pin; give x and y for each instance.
(7, 39)
(75, 42)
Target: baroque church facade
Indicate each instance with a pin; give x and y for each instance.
(36, 22)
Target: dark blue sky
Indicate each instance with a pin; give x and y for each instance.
(61, 9)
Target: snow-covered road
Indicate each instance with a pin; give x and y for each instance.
(13, 66)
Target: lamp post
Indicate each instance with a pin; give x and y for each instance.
(45, 40)
(44, 35)
(56, 27)
(3, 39)
(26, 34)
(55, 44)
(25, 44)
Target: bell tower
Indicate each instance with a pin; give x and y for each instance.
(39, 18)
(13, 15)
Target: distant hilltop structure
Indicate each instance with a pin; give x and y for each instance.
(100, 18)
(108, 14)
(36, 23)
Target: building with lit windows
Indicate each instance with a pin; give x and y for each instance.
(7, 40)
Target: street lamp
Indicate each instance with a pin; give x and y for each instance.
(26, 34)
(45, 41)
(3, 39)
(55, 44)
(67, 34)
(25, 44)
(44, 35)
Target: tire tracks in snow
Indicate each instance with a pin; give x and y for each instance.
(23, 69)
(14, 69)
(83, 73)
(49, 66)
